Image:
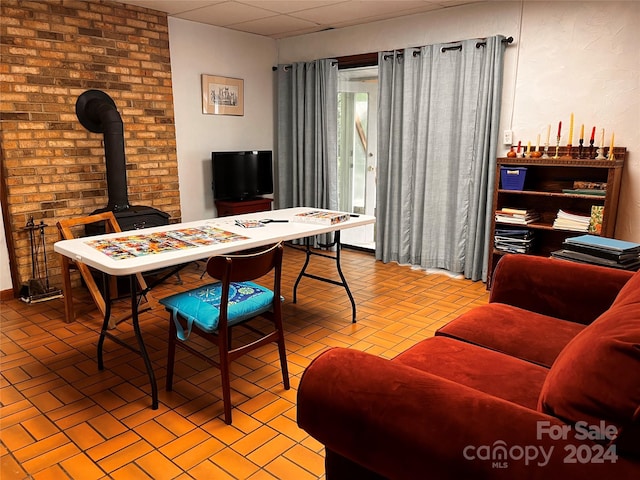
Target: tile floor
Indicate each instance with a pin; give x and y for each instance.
(61, 418)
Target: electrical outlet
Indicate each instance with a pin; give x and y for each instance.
(508, 137)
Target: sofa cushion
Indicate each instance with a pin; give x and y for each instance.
(485, 370)
(513, 331)
(597, 376)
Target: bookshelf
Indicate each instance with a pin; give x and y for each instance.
(545, 180)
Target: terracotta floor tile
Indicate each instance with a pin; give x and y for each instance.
(10, 468)
(54, 472)
(107, 426)
(62, 418)
(82, 467)
(40, 427)
(129, 472)
(15, 437)
(154, 433)
(282, 467)
(234, 463)
(199, 453)
(258, 437)
(267, 452)
(84, 435)
(307, 459)
(184, 443)
(125, 455)
(157, 466)
(50, 457)
(209, 470)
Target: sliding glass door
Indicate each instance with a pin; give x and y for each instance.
(357, 141)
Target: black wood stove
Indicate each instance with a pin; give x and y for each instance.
(98, 113)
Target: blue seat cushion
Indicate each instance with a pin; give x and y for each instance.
(202, 305)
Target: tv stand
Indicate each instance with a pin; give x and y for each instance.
(228, 207)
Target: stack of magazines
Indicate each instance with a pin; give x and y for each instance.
(571, 221)
(595, 250)
(513, 240)
(516, 216)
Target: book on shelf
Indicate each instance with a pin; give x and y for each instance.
(603, 243)
(565, 254)
(321, 217)
(516, 216)
(583, 187)
(571, 221)
(595, 222)
(585, 191)
(581, 184)
(619, 257)
(513, 240)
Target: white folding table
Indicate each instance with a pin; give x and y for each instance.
(282, 229)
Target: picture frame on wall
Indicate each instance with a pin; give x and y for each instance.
(222, 95)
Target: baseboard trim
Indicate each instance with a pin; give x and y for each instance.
(6, 295)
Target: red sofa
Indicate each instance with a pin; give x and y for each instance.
(542, 382)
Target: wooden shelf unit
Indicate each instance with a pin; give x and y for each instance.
(544, 181)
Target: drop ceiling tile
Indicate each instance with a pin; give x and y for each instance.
(226, 13)
(172, 6)
(353, 10)
(289, 6)
(280, 24)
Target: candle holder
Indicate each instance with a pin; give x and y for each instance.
(611, 156)
(590, 149)
(557, 147)
(546, 151)
(569, 150)
(580, 148)
(600, 152)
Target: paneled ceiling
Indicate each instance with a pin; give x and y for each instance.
(287, 18)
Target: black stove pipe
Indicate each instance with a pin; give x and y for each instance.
(97, 112)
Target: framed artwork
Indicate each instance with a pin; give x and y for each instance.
(222, 95)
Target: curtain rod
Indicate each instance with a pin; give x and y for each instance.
(506, 41)
(287, 66)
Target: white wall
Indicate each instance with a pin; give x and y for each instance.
(5, 272)
(201, 49)
(580, 57)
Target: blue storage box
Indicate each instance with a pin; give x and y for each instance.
(512, 178)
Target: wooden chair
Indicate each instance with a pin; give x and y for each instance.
(210, 312)
(66, 232)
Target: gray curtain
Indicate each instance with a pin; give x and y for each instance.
(307, 110)
(438, 123)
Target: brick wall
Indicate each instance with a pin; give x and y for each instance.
(51, 52)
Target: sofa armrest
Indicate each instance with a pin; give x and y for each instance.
(404, 423)
(558, 288)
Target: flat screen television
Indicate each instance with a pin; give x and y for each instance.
(242, 175)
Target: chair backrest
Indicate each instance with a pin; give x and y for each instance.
(248, 265)
(65, 227)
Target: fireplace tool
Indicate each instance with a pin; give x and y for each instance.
(37, 289)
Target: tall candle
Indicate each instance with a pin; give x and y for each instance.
(529, 147)
(519, 144)
(593, 134)
(538, 143)
(559, 128)
(548, 133)
(582, 132)
(570, 142)
(611, 146)
(601, 145)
